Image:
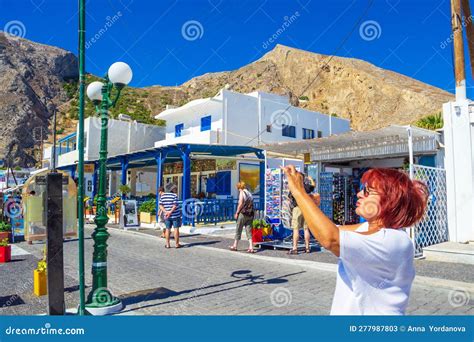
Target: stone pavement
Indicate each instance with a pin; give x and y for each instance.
(204, 279)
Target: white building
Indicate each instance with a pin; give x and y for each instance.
(123, 137)
(232, 118)
(229, 118)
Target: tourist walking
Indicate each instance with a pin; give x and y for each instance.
(244, 216)
(297, 219)
(171, 210)
(375, 269)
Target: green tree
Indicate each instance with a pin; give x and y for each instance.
(431, 122)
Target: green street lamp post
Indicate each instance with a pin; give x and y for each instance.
(100, 301)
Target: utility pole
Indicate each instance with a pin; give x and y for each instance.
(458, 135)
(469, 31)
(80, 148)
(459, 67)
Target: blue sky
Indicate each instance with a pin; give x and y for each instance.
(411, 37)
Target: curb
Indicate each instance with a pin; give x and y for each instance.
(325, 267)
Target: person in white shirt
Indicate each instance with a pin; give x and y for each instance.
(375, 269)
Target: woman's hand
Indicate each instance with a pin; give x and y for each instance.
(295, 180)
(316, 198)
(236, 216)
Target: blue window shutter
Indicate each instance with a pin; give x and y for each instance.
(206, 123)
(211, 184)
(223, 180)
(178, 130)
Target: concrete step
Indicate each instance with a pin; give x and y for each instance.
(450, 252)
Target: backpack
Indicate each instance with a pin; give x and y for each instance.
(247, 207)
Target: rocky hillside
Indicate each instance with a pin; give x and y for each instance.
(35, 78)
(369, 96)
(31, 85)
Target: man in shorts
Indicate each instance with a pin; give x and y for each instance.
(171, 209)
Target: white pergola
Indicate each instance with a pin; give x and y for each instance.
(389, 142)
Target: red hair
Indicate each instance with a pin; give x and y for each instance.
(402, 201)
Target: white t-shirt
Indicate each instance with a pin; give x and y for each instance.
(375, 273)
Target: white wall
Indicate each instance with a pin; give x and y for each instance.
(246, 127)
(236, 120)
(191, 118)
(123, 137)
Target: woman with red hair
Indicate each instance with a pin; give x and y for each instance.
(375, 270)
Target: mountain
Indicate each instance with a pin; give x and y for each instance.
(36, 78)
(369, 96)
(31, 86)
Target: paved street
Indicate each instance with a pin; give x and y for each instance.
(203, 278)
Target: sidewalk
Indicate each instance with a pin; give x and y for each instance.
(425, 268)
(205, 278)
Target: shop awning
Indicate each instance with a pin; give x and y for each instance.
(391, 141)
(147, 157)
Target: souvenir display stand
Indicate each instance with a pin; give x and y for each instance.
(278, 213)
(339, 196)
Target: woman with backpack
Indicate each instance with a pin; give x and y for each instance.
(244, 216)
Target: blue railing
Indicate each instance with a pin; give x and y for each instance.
(210, 211)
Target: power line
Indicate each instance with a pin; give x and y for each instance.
(343, 41)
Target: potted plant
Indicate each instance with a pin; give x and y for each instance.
(257, 235)
(124, 190)
(5, 230)
(5, 251)
(148, 211)
(267, 230)
(39, 277)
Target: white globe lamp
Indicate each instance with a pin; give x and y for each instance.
(94, 91)
(120, 74)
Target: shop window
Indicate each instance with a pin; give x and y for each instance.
(178, 129)
(221, 184)
(206, 123)
(308, 133)
(288, 131)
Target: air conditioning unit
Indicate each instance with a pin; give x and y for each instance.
(124, 117)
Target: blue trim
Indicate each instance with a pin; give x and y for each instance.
(159, 158)
(261, 156)
(186, 191)
(178, 130)
(67, 137)
(206, 123)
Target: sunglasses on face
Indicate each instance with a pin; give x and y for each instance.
(367, 191)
